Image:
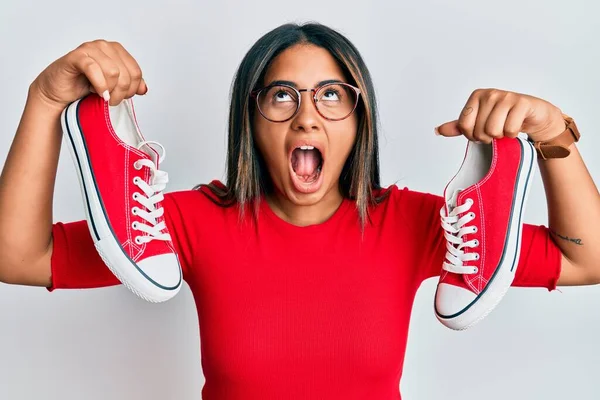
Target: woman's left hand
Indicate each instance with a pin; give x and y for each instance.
(494, 113)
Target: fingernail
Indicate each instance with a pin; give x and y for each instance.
(436, 131)
(106, 95)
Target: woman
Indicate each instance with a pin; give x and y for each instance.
(302, 267)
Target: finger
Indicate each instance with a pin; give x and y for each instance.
(143, 88)
(468, 116)
(485, 108)
(120, 90)
(514, 120)
(137, 85)
(448, 129)
(494, 125)
(98, 69)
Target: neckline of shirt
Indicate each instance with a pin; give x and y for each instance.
(342, 209)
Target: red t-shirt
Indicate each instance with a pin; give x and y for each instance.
(301, 312)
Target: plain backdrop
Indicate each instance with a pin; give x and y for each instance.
(426, 58)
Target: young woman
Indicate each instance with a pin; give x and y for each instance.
(302, 267)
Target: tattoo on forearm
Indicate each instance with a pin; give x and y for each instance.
(576, 241)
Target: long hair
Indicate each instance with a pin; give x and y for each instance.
(247, 176)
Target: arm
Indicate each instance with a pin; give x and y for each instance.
(28, 176)
(573, 217)
(26, 188)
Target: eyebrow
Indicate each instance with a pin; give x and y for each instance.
(293, 84)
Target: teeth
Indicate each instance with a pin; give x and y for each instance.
(307, 147)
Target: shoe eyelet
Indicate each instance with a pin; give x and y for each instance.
(474, 229)
(137, 240)
(134, 210)
(476, 243)
(136, 180)
(135, 196)
(477, 256)
(475, 270)
(134, 225)
(137, 166)
(470, 201)
(472, 214)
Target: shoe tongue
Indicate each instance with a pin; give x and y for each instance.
(150, 152)
(118, 115)
(305, 162)
(451, 202)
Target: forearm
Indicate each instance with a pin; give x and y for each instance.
(27, 184)
(573, 211)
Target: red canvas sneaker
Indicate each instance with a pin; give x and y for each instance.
(122, 190)
(482, 221)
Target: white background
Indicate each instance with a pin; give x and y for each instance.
(426, 58)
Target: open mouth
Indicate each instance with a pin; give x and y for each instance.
(307, 163)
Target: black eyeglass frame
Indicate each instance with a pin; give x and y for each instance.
(256, 94)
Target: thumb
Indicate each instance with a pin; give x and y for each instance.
(449, 129)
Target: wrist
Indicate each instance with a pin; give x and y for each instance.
(557, 145)
(36, 99)
(556, 126)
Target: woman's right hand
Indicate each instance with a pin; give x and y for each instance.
(99, 66)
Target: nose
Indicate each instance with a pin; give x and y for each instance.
(307, 119)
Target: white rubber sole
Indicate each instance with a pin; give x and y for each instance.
(506, 271)
(105, 242)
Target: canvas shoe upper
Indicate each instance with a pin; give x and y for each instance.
(122, 188)
(482, 223)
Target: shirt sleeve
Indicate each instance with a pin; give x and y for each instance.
(75, 263)
(539, 260)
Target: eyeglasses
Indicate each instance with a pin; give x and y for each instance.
(280, 102)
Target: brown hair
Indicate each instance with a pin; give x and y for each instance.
(247, 176)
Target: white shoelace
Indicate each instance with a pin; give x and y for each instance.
(152, 194)
(454, 229)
